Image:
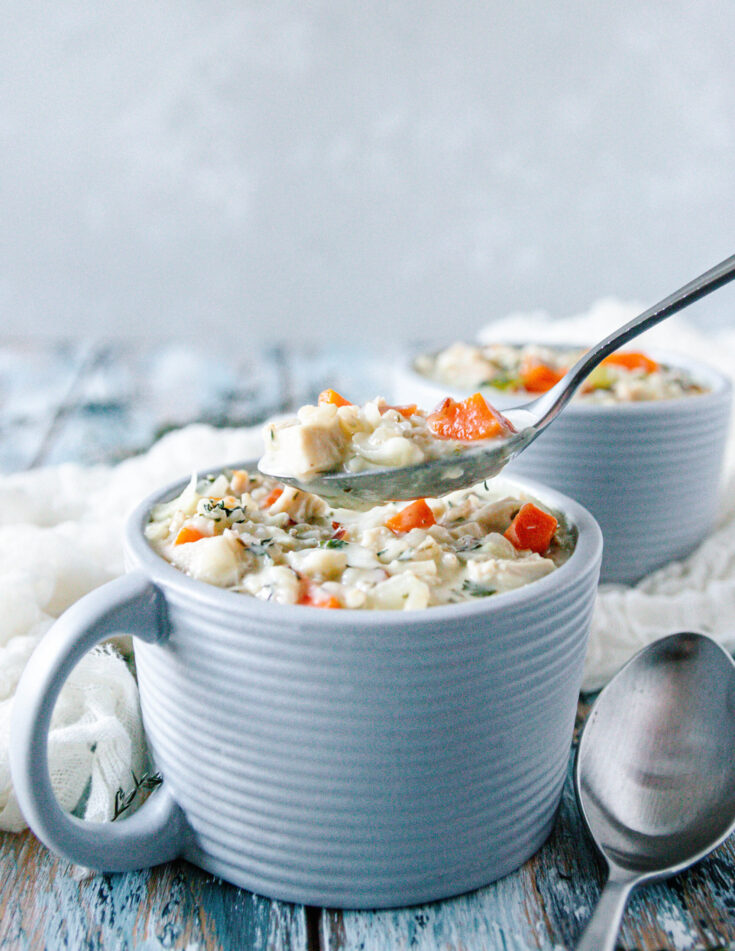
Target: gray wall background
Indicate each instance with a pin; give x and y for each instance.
(364, 169)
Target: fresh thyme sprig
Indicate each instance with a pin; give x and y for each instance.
(124, 800)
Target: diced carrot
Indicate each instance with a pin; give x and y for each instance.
(405, 411)
(415, 515)
(339, 530)
(332, 396)
(537, 377)
(273, 496)
(187, 535)
(631, 360)
(471, 419)
(313, 596)
(532, 529)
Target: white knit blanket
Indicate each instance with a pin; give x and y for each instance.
(60, 537)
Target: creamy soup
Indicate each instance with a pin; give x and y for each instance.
(624, 376)
(245, 532)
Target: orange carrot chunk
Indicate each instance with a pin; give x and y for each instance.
(405, 411)
(272, 497)
(332, 396)
(313, 596)
(532, 529)
(416, 515)
(187, 535)
(538, 377)
(471, 419)
(632, 360)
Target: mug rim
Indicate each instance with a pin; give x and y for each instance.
(586, 555)
(720, 384)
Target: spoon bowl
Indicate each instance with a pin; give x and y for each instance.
(655, 769)
(362, 490)
(486, 459)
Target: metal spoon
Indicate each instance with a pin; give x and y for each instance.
(655, 769)
(472, 465)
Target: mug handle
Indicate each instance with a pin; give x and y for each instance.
(158, 830)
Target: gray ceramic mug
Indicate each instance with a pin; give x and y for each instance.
(339, 758)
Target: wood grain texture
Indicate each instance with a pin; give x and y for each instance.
(99, 402)
(35, 383)
(46, 903)
(96, 403)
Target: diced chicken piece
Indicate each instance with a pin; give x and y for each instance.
(214, 560)
(300, 506)
(320, 564)
(276, 583)
(465, 360)
(302, 449)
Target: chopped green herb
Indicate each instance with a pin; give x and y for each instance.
(217, 510)
(260, 548)
(501, 382)
(477, 590)
(124, 800)
(335, 543)
(468, 543)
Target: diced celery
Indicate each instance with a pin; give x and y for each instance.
(600, 379)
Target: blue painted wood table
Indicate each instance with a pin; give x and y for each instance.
(98, 402)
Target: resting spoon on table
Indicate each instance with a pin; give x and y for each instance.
(655, 770)
(438, 476)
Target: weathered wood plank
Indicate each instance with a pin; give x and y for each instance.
(126, 398)
(45, 904)
(36, 380)
(99, 403)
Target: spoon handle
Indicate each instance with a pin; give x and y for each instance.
(552, 403)
(603, 926)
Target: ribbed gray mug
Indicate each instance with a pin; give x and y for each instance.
(338, 758)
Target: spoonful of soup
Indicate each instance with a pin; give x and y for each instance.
(357, 456)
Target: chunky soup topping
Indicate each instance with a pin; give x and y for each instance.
(336, 435)
(245, 532)
(624, 376)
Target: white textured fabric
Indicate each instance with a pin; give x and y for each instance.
(60, 537)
